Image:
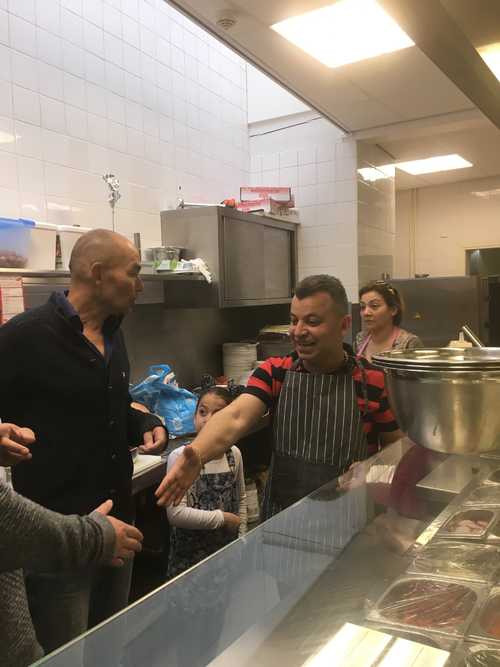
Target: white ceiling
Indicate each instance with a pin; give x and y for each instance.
(479, 145)
(408, 101)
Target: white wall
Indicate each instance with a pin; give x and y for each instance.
(376, 216)
(448, 220)
(267, 100)
(313, 156)
(128, 86)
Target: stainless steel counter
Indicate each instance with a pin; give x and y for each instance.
(451, 476)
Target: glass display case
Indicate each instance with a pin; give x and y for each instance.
(346, 554)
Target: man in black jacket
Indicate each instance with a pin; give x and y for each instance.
(65, 375)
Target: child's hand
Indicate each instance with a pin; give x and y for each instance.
(231, 522)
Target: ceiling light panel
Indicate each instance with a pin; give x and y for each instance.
(345, 32)
(491, 56)
(432, 165)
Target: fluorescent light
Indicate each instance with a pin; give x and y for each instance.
(345, 32)
(486, 194)
(491, 56)
(406, 652)
(7, 137)
(353, 645)
(372, 174)
(431, 165)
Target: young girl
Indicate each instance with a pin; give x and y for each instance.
(214, 510)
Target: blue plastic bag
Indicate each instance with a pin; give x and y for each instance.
(161, 394)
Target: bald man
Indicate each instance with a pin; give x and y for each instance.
(65, 375)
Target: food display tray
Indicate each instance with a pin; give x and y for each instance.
(469, 513)
(467, 561)
(399, 600)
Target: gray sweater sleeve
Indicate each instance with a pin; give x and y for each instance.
(40, 540)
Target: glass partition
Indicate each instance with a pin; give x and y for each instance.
(277, 595)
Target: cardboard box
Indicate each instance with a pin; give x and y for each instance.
(255, 192)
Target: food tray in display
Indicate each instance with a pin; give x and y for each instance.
(456, 560)
(493, 478)
(493, 536)
(432, 604)
(486, 495)
(486, 624)
(481, 654)
(469, 523)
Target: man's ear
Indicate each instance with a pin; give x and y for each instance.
(96, 271)
(346, 324)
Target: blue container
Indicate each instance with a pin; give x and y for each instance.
(14, 242)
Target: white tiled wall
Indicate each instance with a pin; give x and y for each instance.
(449, 219)
(312, 156)
(376, 216)
(127, 86)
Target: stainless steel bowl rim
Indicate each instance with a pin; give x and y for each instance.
(444, 371)
(485, 357)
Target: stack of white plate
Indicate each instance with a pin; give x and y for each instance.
(238, 359)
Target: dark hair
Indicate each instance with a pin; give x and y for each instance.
(324, 283)
(220, 392)
(389, 294)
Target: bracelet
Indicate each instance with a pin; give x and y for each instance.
(197, 452)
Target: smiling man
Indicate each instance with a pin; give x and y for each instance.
(329, 409)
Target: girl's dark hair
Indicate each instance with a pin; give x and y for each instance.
(226, 395)
(389, 294)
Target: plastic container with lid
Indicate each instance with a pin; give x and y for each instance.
(14, 242)
(42, 247)
(68, 236)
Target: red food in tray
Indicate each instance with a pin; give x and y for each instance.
(428, 604)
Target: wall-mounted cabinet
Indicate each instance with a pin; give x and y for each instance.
(253, 259)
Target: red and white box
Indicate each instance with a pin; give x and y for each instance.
(254, 192)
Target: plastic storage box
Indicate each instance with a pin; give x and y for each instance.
(14, 242)
(68, 236)
(42, 247)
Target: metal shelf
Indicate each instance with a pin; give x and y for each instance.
(172, 276)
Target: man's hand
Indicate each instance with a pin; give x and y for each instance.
(13, 444)
(354, 477)
(231, 522)
(155, 441)
(127, 538)
(178, 480)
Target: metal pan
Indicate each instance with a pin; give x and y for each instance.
(456, 560)
(429, 603)
(486, 623)
(458, 528)
(486, 495)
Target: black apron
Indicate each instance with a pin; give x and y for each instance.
(317, 433)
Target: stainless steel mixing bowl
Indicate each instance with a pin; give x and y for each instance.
(445, 399)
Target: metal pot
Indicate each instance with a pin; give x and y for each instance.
(445, 399)
(161, 253)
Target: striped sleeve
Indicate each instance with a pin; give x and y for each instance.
(380, 418)
(260, 383)
(384, 417)
(267, 379)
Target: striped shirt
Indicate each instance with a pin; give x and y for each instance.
(267, 380)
